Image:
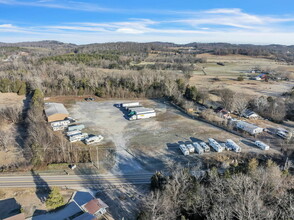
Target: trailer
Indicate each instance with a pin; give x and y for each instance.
(205, 147)
(60, 123)
(129, 109)
(78, 137)
(184, 149)
(130, 104)
(231, 145)
(58, 128)
(190, 148)
(142, 115)
(198, 148)
(215, 145)
(262, 145)
(94, 139)
(74, 132)
(76, 127)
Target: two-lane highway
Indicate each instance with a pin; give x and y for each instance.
(87, 181)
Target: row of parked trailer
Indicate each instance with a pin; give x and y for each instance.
(74, 132)
(202, 147)
(135, 111)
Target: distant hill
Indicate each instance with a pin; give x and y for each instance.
(41, 44)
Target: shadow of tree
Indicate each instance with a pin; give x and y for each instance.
(42, 188)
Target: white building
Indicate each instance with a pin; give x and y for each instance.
(250, 128)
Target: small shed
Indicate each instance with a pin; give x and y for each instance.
(55, 112)
(247, 113)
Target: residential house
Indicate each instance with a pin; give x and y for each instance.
(248, 127)
(247, 113)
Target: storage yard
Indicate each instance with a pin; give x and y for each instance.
(152, 143)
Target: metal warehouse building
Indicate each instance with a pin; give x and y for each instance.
(55, 112)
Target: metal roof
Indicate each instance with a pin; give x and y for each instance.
(55, 108)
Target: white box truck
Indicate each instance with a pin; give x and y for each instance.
(94, 139)
(215, 145)
(231, 145)
(205, 147)
(184, 149)
(190, 148)
(261, 145)
(198, 148)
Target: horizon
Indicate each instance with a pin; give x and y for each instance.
(86, 22)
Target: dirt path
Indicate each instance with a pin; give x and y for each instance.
(108, 120)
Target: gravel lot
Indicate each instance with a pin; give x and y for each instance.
(150, 144)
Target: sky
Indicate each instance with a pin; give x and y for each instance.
(177, 21)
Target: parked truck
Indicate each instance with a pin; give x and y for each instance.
(261, 145)
(184, 149)
(76, 127)
(215, 145)
(93, 139)
(198, 148)
(231, 145)
(78, 137)
(142, 114)
(205, 147)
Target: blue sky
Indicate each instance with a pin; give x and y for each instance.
(179, 21)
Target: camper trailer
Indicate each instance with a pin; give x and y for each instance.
(215, 145)
(78, 137)
(231, 145)
(198, 148)
(184, 149)
(205, 147)
(261, 145)
(94, 139)
(190, 148)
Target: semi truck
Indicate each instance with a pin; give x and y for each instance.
(142, 114)
(215, 145)
(198, 148)
(184, 149)
(94, 139)
(78, 137)
(231, 145)
(205, 147)
(76, 127)
(262, 145)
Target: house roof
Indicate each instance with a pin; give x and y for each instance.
(19, 216)
(82, 198)
(85, 216)
(94, 206)
(55, 108)
(247, 125)
(8, 208)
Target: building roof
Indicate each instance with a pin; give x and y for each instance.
(85, 216)
(94, 206)
(247, 125)
(8, 208)
(19, 216)
(82, 198)
(55, 108)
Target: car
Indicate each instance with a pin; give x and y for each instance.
(90, 99)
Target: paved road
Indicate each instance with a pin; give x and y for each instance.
(73, 180)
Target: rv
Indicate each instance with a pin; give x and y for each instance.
(78, 137)
(58, 128)
(75, 127)
(60, 123)
(94, 139)
(261, 145)
(231, 145)
(74, 132)
(190, 148)
(205, 147)
(184, 149)
(215, 145)
(198, 148)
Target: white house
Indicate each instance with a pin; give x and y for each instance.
(247, 113)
